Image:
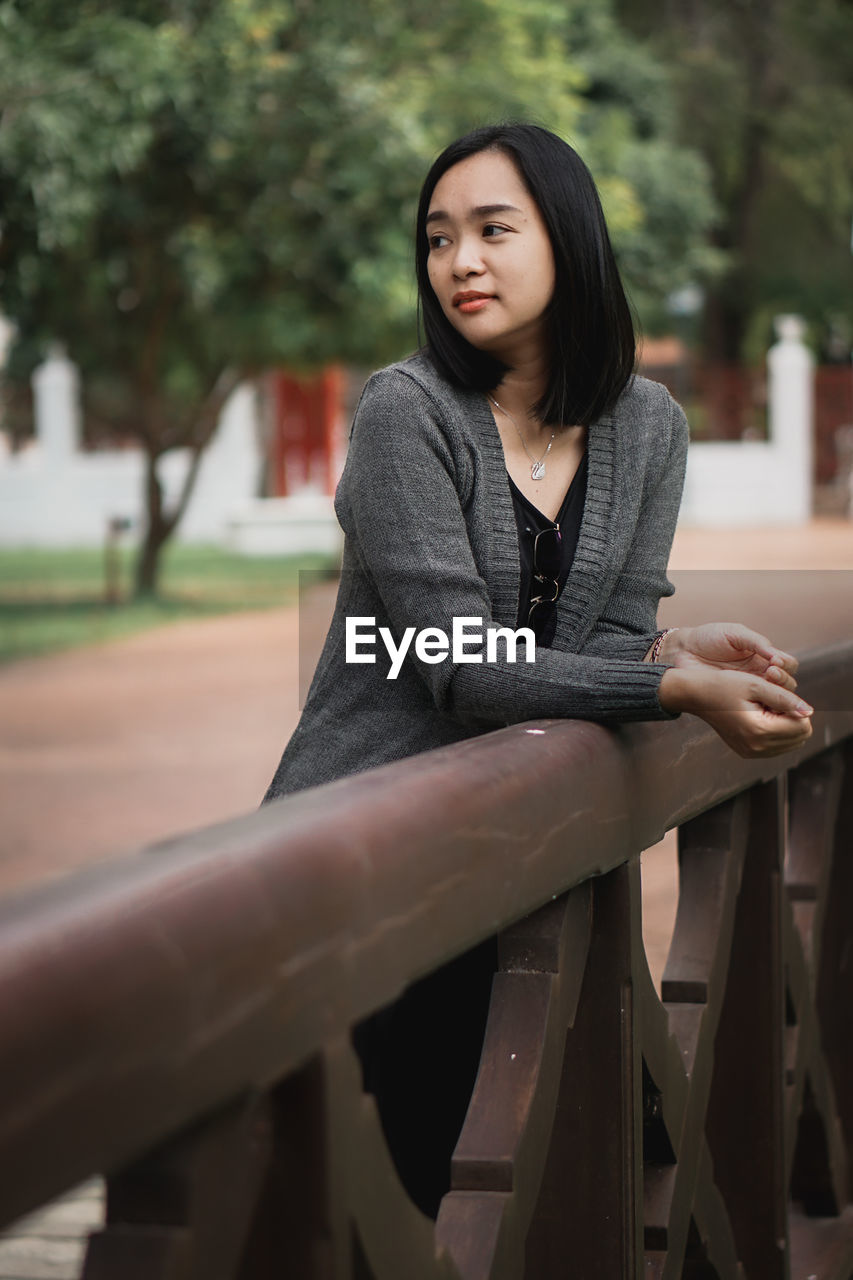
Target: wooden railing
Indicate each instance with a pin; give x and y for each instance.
(180, 1018)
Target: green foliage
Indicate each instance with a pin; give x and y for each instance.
(231, 182)
(234, 182)
(656, 191)
(194, 190)
(764, 93)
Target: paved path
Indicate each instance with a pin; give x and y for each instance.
(135, 740)
(125, 743)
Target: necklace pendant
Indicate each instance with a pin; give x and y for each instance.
(537, 471)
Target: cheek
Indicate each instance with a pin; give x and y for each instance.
(543, 291)
(434, 275)
(545, 270)
(552, 285)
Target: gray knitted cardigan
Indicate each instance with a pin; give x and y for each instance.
(430, 535)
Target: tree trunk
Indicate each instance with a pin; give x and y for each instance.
(743, 36)
(727, 312)
(157, 533)
(198, 433)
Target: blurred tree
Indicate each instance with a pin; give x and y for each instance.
(765, 93)
(656, 190)
(193, 190)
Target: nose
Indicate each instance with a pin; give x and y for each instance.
(467, 260)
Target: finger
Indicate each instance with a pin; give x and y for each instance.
(742, 637)
(778, 676)
(780, 745)
(785, 660)
(784, 729)
(778, 734)
(782, 701)
(779, 748)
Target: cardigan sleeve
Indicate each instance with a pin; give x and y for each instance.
(628, 624)
(400, 504)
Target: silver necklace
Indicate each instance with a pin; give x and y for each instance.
(537, 469)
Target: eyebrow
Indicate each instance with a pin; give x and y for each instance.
(479, 211)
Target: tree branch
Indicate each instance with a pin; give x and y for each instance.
(205, 423)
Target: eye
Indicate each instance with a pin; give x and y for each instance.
(491, 229)
(438, 241)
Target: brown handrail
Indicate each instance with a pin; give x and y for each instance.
(139, 995)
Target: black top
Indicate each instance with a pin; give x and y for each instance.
(531, 521)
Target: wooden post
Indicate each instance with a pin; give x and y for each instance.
(744, 1123)
(586, 1220)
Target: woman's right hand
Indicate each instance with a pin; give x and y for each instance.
(752, 716)
(732, 646)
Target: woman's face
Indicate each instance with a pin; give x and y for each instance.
(490, 261)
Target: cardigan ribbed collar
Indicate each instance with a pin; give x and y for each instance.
(588, 575)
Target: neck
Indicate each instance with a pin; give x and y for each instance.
(521, 388)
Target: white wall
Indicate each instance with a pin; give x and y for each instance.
(732, 483)
(51, 494)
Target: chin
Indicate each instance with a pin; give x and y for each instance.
(482, 340)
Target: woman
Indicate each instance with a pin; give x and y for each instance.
(514, 472)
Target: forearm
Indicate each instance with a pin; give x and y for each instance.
(570, 685)
(689, 691)
(606, 642)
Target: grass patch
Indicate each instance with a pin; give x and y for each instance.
(52, 600)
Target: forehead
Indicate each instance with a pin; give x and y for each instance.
(489, 177)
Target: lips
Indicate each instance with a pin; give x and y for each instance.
(469, 300)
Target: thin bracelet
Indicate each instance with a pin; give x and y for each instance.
(658, 644)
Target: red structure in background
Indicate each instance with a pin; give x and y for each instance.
(833, 408)
(724, 403)
(303, 438)
(727, 402)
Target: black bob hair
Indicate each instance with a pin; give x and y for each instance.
(591, 331)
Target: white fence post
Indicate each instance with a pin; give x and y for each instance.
(790, 367)
(761, 482)
(56, 393)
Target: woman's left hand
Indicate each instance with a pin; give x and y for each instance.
(732, 646)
